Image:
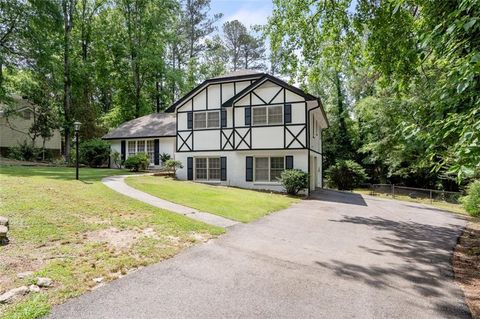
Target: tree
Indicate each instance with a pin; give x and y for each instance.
(234, 33)
(252, 49)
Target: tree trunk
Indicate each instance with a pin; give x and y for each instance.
(68, 6)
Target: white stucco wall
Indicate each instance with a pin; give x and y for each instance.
(167, 145)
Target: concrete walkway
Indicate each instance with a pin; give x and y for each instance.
(117, 183)
(336, 255)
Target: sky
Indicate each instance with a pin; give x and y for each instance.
(248, 12)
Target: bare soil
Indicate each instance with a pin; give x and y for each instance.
(466, 264)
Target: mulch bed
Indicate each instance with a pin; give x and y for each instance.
(466, 264)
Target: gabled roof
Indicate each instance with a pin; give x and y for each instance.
(16, 105)
(232, 76)
(263, 79)
(152, 125)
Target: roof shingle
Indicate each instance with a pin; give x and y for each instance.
(152, 125)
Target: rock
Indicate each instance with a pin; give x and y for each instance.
(4, 221)
(25, 274)
(44, 282)
(3, 231)
(11, 294)
(34, 288)
(98, 280)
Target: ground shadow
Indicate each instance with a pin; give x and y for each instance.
(330, 195)
(426, 253)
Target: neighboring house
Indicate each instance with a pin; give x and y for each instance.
(15, 127)
(242, 129)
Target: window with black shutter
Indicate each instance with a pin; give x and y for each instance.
(288, 113)
(123, 150)
(248, 116)
(249, 169)
(289, 162)
(190, 168)
(189, 120)
(156, 152)
(224, 118)
(223, 168)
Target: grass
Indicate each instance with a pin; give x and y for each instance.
(233, 203)
(75, 231)
(454, 208)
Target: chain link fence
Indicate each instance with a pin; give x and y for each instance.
(413, 192)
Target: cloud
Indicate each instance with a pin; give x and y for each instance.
(250, 17)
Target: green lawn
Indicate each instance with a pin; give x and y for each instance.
(234, 203)
(74, 231)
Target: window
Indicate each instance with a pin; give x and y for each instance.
(268, 169)
(131, 148)
(207, 168)
(259, 115)
(201, 168)
(200, 120)
(275, 115)
(267, 115)
(140, 147)
(150, 150)
(206, 119)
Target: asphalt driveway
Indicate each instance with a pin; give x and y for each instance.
(336, 255)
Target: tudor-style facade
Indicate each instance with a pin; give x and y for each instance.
(244, 129)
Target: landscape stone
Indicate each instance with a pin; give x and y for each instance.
(44, 282)
(12, 293)
(34, 288)
(25, 274)
(4, 221)
(98, 280)
(3, 231)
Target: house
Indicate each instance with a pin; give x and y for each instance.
(16, 119)
(241, 129)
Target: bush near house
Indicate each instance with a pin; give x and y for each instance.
(173, 166)
(137, 162)
(94, 152)
(471, 202)
(345, 175)
(294, 180)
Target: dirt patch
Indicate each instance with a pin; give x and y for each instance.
(466, 264)
(115, 238)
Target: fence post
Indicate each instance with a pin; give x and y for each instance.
(393, 190)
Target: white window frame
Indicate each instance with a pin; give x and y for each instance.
(269, 169)
(208, 179)
(207, 122)
(267, 116)
(145, 149)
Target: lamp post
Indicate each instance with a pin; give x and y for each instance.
(76, 126)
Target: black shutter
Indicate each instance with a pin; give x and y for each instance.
(189, 120)
(287, 111)
(289, 162)
(223, 115)
(223, 168)
(190, 168)
(156, 151)
(249, 169)
(248, 116)
(123, 149)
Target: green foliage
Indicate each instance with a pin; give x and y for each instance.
(471, 201)
(164, 157)
(23, 152)
(294, 180)
(116, 158)
(138, 162)
(94, 152)
(173, 165)
(345, 175)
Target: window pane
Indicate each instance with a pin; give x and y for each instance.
(261, 169)
(214, 168)
(140, 146)
(259, 115)
(275, 115)
(276, 168)
(131, 148)
(150, 150)
(200, 120)
(200, 168)
(213, 119)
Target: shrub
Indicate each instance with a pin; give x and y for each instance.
(137, 162)
(471, 202)
(23, 152)
(345, 175)
(164, 158)
(173, 165)
(94, 152)
(294, 180)
(116, 158)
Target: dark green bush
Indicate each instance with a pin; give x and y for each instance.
(345, 175)
(23, 152)
(94, 153)
(471, 202)
(137, 162)
(294, 180)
